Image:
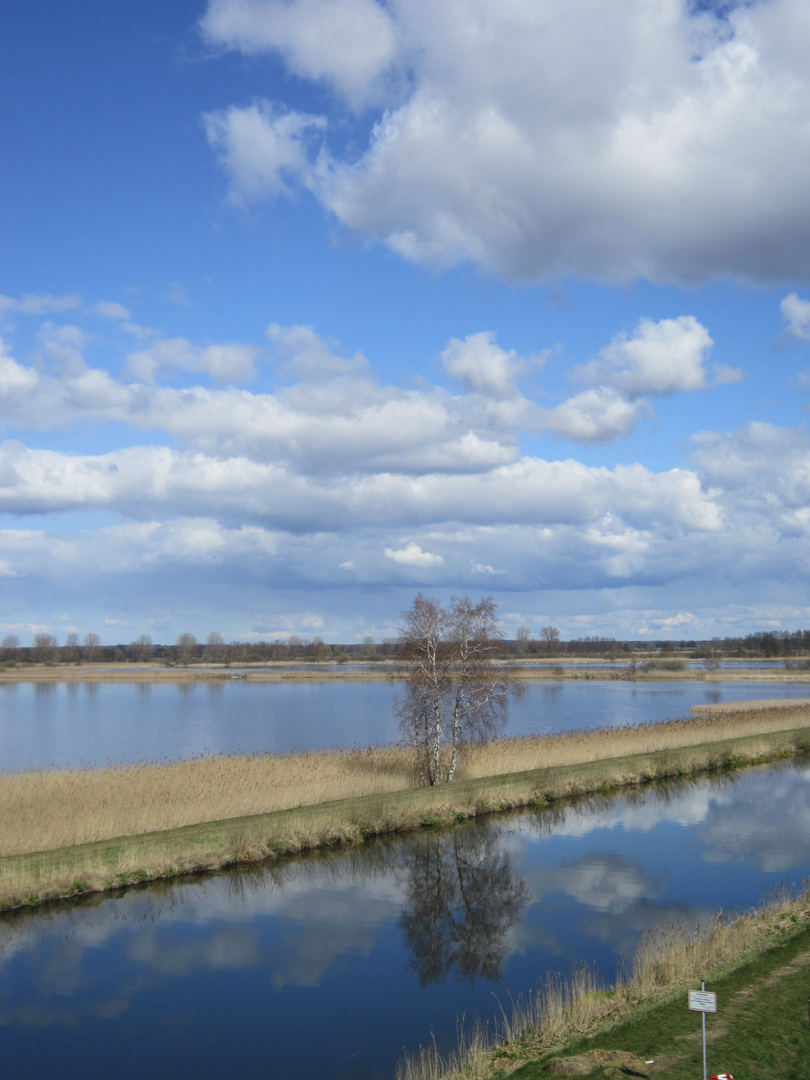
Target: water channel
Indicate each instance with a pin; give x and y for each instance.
(328, 966)
(57, 724)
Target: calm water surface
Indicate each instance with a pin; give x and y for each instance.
(327, 967)
(61, 724)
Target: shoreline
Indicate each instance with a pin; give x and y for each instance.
(389, 671)
(31, 878)
(640, 1026)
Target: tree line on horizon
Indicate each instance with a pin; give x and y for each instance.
(45, 648)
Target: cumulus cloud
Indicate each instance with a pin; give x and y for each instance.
(261, 148)
(412, 555)
(16, 381)
(483, 366)
(225, 363)
(661, 358)
(613, 140)
(333, 477)
(309, 357)
(599, 415)
(347, 44)
(796, 313)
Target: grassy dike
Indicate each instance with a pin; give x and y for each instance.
(761, 1030)
(32, 878)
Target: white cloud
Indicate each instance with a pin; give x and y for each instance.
(345, 43)
(599, 415)
(16, 381)
(796, 313)
(225, 363)
(109, 309)
(614, 140)
(309, 356)
(334, 480)
(261, 148)
(482, 365)
(412, 555)
(64, 345)
(661, 358)
(33, 304)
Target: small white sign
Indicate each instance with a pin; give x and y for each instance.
(702, 1001)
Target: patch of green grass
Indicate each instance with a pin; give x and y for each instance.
(760, 1032)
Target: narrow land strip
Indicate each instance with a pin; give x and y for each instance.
(47, 809)
(382, 671)
(576, 764)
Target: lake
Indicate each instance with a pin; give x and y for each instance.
(328, 966)
(44, 724)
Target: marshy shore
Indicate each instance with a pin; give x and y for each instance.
(387, 671)
(70, 832)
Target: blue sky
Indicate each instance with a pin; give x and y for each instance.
(308, 305)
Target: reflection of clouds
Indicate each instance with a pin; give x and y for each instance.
(769, 828)
(324, 925)
(227, 947)
(621, 931)
(294, 922)
(605, 882)
(326, 907)
(641, 811)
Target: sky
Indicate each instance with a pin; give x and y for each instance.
(307, 306)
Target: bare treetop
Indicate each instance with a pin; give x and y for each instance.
(454, 694)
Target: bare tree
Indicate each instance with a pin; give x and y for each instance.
(551, 636)
(523, 639)
(214, 646)
(185, 648)
(142, 648)
(44, 647)
(70, 650)
(91, 647)
(453, 694)
(9, 647)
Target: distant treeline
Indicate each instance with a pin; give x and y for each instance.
(45, 649)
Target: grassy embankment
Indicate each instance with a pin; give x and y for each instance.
(758, 964)
(76, 831)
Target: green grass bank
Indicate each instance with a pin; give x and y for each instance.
(33, 878)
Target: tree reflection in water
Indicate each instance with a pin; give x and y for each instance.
(462, 900)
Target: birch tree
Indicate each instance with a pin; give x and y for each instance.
(454, 693)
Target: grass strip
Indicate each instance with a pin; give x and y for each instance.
(761, 1029)
(33, 878)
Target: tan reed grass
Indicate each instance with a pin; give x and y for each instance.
(49, 809)
(669, 959)
(90, 830)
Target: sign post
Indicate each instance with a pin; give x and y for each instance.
(701, 1001)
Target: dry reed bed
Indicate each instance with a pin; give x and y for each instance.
(49, 809)
(30, 879)
(669, 959)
